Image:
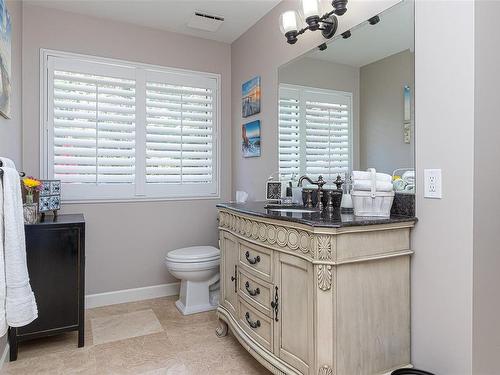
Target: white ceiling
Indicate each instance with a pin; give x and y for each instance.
(393, 34)
(172, 15)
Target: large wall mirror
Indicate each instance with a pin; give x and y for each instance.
(350, 106)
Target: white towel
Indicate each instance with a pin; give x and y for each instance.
(409, 177)
(361, 175)
(6, 162)
(3, 291)
(20, 304)
(366, 185)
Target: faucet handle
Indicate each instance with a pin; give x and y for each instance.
(320, 182)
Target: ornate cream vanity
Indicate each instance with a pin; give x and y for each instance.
(308, 294)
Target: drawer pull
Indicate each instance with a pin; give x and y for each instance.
(254, 260)
(254, 292)
(253, 325)
(275, 304)
(235, 279)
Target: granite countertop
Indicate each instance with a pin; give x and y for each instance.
(335, 219)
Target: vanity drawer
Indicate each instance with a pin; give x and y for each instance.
(256, 324)
(257, 260)
(256, 292)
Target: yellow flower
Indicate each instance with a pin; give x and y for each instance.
(394, 178)
(31, 182)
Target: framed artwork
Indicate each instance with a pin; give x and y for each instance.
(5, 60)
(250, 143)
(407, 114)
(250, 97)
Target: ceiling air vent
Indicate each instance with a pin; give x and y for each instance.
(205, 21)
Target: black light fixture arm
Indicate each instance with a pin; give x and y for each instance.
(327, 23)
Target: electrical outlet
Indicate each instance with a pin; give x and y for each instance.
(432, 183)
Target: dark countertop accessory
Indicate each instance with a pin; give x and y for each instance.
(334, 219)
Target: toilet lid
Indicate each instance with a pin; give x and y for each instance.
(194, 254)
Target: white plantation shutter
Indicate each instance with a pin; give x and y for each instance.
(180, 132)
(94, 128)
(119, 131)
(289, 133)
(324, 120)
(328, 117)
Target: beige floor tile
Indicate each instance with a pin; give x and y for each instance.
(123, 326)
(139, 338)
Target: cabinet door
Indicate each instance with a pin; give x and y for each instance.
(294, 328)
(53, 258)
(229, 271)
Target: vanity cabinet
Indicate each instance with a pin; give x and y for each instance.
(316, 300)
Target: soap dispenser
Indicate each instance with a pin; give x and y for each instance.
(346, 204)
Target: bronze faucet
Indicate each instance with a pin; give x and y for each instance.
(319, 183)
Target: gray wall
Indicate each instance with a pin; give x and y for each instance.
(11, 129)
(331, 76)
(486, 326)
(442, 266)
(127, 242)
(382, 112)
(442, 240)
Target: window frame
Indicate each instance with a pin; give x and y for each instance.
(124, 192)
(302, 124)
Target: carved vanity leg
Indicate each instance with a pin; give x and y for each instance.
(221, 329)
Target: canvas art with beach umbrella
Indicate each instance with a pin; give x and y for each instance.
(5, 60)
(250, 92)
(250, 145)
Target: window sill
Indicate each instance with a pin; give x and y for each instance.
(136, 200)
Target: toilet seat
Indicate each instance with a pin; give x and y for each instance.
(194, 254)
(191, 266)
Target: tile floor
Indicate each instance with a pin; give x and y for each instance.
(147, 338)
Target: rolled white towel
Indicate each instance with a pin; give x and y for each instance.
(362, 175)
(409, 177)
(366, 185)
(399, 184)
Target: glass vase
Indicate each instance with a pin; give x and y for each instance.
(30, 211)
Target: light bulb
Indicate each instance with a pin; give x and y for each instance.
(288, 21)
(310, 8)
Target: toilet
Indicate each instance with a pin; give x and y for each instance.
(198, 269)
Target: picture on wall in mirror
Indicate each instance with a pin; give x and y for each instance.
(407, 114)
(250, 97)
(5, 60)
(250, 143)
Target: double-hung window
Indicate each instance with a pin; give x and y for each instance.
(115, 130)
(315, 132)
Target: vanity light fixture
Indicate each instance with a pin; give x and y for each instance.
(346, 34)
(322, 46)
(327, 23)
(374, 20)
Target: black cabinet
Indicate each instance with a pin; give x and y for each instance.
(55, 250)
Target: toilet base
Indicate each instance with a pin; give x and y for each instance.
(193, 309)
(196, 297)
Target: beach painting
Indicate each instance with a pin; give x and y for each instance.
(250, 145)
(250, 93)
(5, 60)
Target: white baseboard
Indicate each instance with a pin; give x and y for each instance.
(131, 295)
(4, 355)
